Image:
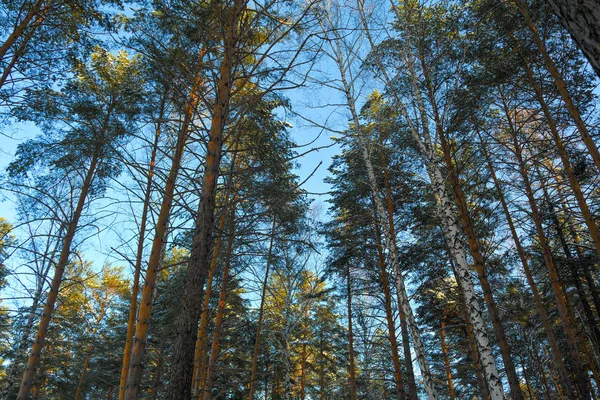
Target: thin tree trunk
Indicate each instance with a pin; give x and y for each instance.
(21, 351)
(445, 353)
(261, 314)
(156, 253)
(562, 151)
(383, 278)
(350, 335)
(202, 335)
(36, 350)
(381, 214)
(562, 370)
(138, 258)
(157, 380)
(84, 370)
(20, 27)
(444, 210)
(552, 272)
(215, 347)
(410, 374)
(473, 242)
(560, 84)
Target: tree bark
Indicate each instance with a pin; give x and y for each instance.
(180, 381)
(202, 335)
(582, 383)
(350, 335)
(156, 252)
(215, 347)
(582, 20)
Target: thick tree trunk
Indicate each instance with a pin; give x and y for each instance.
(36, 350)
(383, 278)
(138, 258)
(582, 20)
(261, 314)
(180, 381)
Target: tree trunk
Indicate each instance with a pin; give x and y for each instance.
(138, 258)
(445, 353)
(383, 278)
(450, 228)
(467, 223)
(214, 349)
(410, 374)
(561, 84)
(156, 253)
(180, 381)
(202, 335)
(36, 350)
(562, 151)
(261, 314)
(552, 272)
(556, 353)
(582, 20)
(350, 335)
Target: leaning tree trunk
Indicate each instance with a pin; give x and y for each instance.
(40, 338)
(138, 258)
(556, 353)
(561, 85)
(560, 299)
(451, 231)
(390, 243)
(582, 19)
(156, 253)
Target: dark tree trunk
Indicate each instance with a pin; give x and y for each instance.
(582, 19)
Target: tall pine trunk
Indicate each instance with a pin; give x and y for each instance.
(156, 253)
(180, 381)
(556, 353)
(568, 328)
(138, 258)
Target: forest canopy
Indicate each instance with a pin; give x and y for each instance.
(281, 199)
